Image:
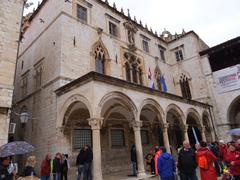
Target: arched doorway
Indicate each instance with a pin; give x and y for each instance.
(194, 127)
(151, 132)
(234, 113)
(175, 131)
(117, 136)
(77, 132)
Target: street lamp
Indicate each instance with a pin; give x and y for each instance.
(24, 116)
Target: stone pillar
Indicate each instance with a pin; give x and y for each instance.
(203, 133)
(165, 137)
(96, 124)
(186, 133)
(136, 125)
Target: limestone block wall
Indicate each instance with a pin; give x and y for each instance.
(45, 50)
(10, 20)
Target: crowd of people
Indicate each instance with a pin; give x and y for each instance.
(217, 159)
(56, 167)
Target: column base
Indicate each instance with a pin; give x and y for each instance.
(141, 174)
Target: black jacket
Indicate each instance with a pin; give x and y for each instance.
(81, 158)
(133, 154)
(28, 171)
(4, 175)
(56, 165)
(187, 161)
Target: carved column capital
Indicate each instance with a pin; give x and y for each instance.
(185, 127)
(95, 123)
(165, 127)
(136, 125)
(203, 129)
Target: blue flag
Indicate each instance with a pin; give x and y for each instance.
(163, 83)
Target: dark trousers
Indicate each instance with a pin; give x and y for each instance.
(236, 177)
(87, 172)
(64, 176)
(188, 176)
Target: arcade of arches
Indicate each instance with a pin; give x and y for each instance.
(120, 124)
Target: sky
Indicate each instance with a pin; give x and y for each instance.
(215, 21)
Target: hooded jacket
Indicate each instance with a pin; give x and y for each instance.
(166, 166)
(210, 173)
(187, 161)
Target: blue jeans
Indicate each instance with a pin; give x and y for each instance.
(87, 174)
(56, 176)
(80, 171)
(45, 177)
(134, 168)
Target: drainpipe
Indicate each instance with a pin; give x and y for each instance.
(213, 124)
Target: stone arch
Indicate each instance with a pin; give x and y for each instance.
(70, 102)
(154, 104)
(99, 48)
(193, 112)
(177, 110)
(122, 98)
(194, 126)
(233, 113)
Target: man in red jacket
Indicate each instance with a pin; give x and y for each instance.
(233, 158)
(46, 168)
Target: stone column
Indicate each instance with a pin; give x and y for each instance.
(136, 125)
(203, 133)
(186, 133)
(96, 124)
(165, 137)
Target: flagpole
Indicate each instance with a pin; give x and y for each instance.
(195, 135)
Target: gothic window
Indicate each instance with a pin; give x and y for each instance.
(185, 88)
(133, 69)
(128, 71)
(82, 13)
(100, 60)
(134, 73)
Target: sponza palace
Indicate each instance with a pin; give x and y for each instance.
(88, 73)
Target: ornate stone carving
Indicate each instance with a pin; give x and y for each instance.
(131, 30)
(136, 125)
(95, 123)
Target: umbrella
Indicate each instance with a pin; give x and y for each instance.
(234, 132)
(15, 148)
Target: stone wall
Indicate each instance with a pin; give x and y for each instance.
(10, 20)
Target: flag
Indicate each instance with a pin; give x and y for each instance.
(195, 135)
(163, 83)
(150, 79)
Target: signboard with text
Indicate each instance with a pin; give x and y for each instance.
(227, 79)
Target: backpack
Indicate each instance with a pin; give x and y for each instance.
(203, 162)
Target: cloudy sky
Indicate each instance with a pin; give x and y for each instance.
(215, 21)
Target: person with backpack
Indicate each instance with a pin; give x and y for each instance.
(187, 162)
(166, 166)
(205, 159)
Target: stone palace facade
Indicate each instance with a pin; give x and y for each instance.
(90, 74)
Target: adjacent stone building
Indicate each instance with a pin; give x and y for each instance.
(10, 20)
(90, 74)
(222, 70)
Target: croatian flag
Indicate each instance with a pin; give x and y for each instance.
(150, 79)
(163, 83)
